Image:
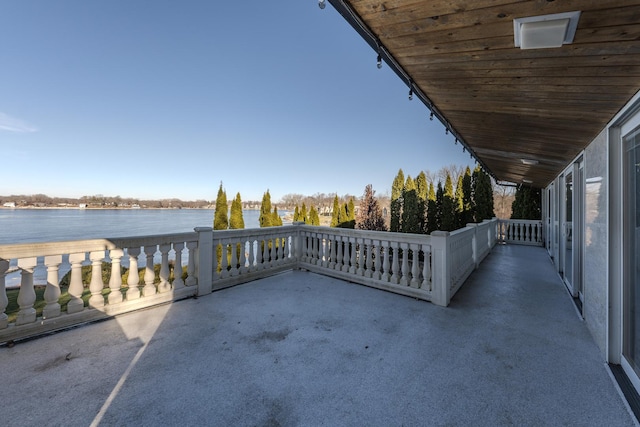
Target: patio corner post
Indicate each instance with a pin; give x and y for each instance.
(204, 260)
(441, 271)
(297, 247)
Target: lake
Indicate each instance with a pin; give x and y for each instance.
(48, 225)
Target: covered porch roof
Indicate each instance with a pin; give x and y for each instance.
(524, 114)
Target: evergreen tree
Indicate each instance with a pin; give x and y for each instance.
(422, 187)
(411, 218)
(343, 218)
(396, 202)
(351, 208)
(221, 215)
(370, 213)
(467, 197)
(432, 210)
(482, 194)
(236, 219)
(439, 203)
(276, 220)
(527, 203)
(459, 203)
(265, 210)
(296, 215)
(336, 212)
(314, 218)
(303, 214)
(448, 213)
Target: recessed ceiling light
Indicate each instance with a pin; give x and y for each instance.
(545, 31)
(527, 181)
(529, 161)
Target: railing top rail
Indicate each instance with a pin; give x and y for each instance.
(24, 250)
(254, 232)
(369, 234)
(521, 221)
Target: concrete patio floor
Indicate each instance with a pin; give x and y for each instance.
(304, 349)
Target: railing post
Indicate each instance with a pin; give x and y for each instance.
(441, 271)
(204, 260)
(474, 244)
(297, 240)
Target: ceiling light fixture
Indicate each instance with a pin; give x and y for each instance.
(527, 181)
(321, 4)
(545, 31)
(410, 91)
(529, 162)
(379, 64)
(431, 116)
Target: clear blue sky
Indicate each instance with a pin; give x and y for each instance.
(162, 99)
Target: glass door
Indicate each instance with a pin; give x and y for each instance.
(567, 232)
(631, 257)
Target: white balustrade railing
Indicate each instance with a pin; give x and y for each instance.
(429, 267)
(521, 231)
(40, 312)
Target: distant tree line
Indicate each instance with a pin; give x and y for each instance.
(99, 201)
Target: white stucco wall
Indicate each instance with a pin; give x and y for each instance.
(596, 250)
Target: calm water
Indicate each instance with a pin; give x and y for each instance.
(47, 225)
(50, 225)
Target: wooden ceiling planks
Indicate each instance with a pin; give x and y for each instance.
(506, 103)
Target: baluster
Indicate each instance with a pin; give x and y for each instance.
(354, 253)
(426, 268)
(265, 254)
(4, 301)
(385, 265)
(313, 253)
(259, 252)
(149, 274)
(377, 261)
(52, 291)
(234, 259)
(164, 284)
(115, 280)
(346, 247)
(415, 264)
(405, 264)
(192, 280)
(273, 258)
(337, 241)
(253, 255)
(75, 304)
(96, 284)
(360, 252)
(395, 278)
(133, 278)
(178, 283)
(244, 263)
(332, 255)
(27, 294)
(224, 261)
(368, 245)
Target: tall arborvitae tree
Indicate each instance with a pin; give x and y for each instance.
(351, 209)
(467, 197)
(236, 219)
(265, 211)
(336, 212)
(370, 214)
(448, 215)
(459, 202)
(527, 203)
(276, 219)
(482, 195)
(313, 218)
(296, 214)
(422, 187)
(221, 215)
(439, 203)
(396, 202)
(411, 218)
(432, 210)
(302, 216)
